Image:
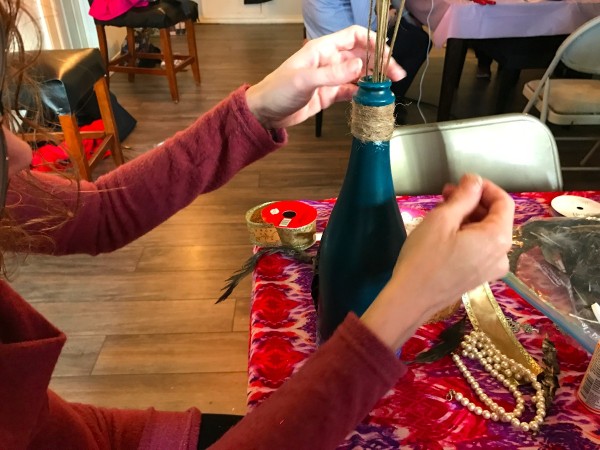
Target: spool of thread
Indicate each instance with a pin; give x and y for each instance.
(287, 223)
(575, 206)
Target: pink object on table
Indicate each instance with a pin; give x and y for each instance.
(109, 9)
(465, 19)
(416, 413)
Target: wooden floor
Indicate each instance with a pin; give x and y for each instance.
(142, 324)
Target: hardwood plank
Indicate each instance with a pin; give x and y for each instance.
(205, 234)
(123, 260)
(301, 178)
(205, 210)
(173, 353)
(79, 355)
(166, 285)
(226, 257)
(121, 318)
(241, 317)
(223, 393)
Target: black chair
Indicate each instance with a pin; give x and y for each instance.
(162, 15)
(65, 79)
(512, 55)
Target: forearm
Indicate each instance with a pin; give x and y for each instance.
(391, 324)
(326, 399)
(136, 197)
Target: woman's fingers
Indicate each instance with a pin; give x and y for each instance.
(465, 197)
(353, 40)
(491, 196)
(500, 205)
(331, 75)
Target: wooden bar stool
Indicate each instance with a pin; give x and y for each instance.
(162, 15)
(65, 78)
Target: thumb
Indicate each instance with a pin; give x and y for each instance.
(337, 74)
(465, 197)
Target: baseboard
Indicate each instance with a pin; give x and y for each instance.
(249, 20)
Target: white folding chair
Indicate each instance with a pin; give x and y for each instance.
(572, 101)
(516, 151)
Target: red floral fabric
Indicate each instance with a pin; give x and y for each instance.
(416, 414)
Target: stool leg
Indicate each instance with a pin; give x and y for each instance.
(103, 47)
(108, 119)
(192, 50)
(131, 52)
(165, 40)
(69, 126)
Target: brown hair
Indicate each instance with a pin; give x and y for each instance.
(15, 235)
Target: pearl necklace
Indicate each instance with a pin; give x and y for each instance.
(478, 346)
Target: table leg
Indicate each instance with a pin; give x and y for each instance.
(462, 58)
(508, 79)
(456, 50)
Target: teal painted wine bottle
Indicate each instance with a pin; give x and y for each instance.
(365, 232)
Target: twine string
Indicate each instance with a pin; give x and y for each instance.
(372, 123)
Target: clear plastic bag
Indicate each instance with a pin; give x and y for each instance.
(559, 260)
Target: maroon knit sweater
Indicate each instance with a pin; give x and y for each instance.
(325, 400)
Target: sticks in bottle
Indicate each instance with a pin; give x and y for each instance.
(381, 8)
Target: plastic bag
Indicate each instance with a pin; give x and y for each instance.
(559, 259)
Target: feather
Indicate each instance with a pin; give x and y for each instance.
(248, 266)
(549, 377)
(450, 339)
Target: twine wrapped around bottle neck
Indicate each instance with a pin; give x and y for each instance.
(372, 123)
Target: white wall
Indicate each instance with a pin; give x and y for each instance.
(234, 11)
(114, 39)
(63, 25)
(42, 21)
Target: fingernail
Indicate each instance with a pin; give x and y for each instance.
(474, 180)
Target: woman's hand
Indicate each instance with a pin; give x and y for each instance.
(461, 244)
(322, 72)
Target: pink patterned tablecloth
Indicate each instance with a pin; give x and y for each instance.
(416, 414)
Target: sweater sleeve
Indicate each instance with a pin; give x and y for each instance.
(32, 417)
(136, 197)
(29, 347)
(326, 399)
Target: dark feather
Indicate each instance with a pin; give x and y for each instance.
(549, 377)
(450, 339)
(248, 267)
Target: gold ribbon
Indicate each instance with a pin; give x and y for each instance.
(487, 316)
(266, 234)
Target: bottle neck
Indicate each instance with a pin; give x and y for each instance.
(371, 93)
(373, 111)
(369, 174)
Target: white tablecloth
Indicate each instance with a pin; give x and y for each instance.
(507, 18)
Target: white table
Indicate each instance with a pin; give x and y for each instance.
(454, 22)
